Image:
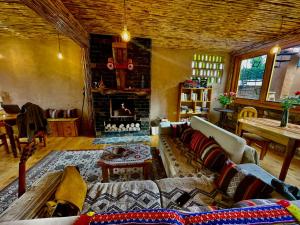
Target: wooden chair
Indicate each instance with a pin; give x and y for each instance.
(263, 143)
(3, 138)
(21, 142)
(4, 141)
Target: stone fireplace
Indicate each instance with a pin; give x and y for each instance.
(126, 110)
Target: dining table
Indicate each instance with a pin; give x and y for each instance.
(7, 121)
(288, 136)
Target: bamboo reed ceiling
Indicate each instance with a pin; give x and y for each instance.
(18, 20)
(224, 25)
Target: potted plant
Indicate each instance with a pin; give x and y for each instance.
(286, 104)
(226, 98)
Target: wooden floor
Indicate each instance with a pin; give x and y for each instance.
(9, 165)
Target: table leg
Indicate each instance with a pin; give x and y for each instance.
(222, 119)
(104, 173)
(239, 130)
(289, 154)
(111, 171)
(10, 134)
(146, 169)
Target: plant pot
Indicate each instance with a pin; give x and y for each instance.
(284, 118)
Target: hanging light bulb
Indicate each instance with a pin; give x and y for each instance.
(59, 54)
(125, 34)
(275, 49)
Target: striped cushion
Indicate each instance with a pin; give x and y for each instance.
(240, 185)
(197, 140)
(55, 113)
(178, 129)
(186, 136)
(69, 113)
(215, 158)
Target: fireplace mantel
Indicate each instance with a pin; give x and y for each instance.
(111, 91)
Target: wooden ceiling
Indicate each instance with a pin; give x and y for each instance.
(223, 25)
(18, 20)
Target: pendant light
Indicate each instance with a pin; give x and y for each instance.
(125, 35)
(276, 48)
(59, 54)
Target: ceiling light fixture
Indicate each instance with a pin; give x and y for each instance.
(125, 35)
(59, 54)
(276, 49)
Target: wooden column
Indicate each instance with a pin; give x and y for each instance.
(88, 89)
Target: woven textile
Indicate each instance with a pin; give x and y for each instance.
(197, 140)
(186, 135)
(271, 214)
(201, 191)
(122, 196)
(240, 185)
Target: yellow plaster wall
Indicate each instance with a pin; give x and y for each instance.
(31, 72)
(169, 68)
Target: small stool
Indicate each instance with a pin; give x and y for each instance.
(4, 141)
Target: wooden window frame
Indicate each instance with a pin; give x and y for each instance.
(261, 102)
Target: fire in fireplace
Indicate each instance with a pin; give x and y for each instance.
(121, 108)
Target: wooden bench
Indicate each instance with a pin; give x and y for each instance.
(64, 127)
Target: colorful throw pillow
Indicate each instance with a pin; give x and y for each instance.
(213, 155)
(240, 185)
(186, 135)
(55, 113)
(178, 129)
(197, 141)
(70, 113)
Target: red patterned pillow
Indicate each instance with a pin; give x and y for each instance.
(240, 185)
(186, 135)
(177, 129)
(213, 156)
(197, 140)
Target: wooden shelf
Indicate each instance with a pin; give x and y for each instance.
(195, 113)
(112, 91)
(201, 88)
(189, 101)
(193, 105)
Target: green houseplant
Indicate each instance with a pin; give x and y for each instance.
(286, 104)
(226, 98)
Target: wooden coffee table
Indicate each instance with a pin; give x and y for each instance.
(139, 155)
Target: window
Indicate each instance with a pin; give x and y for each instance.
(251, 76)
(262, 79)
(285, 79)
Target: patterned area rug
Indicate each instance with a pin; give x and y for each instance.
(121, 140)
(87, 163)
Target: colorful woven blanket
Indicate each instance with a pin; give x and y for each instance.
(268, 214)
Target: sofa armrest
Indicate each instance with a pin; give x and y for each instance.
(165, 127)
(31, 202)
(250, 155)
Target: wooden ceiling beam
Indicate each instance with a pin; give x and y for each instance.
(55, 12)
(283, 40)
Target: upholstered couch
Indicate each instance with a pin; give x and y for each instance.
(177, 165)
(184, 176)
